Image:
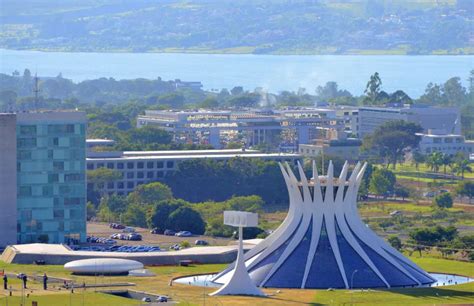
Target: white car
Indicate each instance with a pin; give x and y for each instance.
(184, 234)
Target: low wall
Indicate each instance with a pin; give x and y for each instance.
(11, 255)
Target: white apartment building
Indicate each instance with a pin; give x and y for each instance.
(449, 144)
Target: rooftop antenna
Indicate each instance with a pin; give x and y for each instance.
(36, 90)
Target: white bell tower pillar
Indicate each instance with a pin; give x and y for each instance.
(240, 282)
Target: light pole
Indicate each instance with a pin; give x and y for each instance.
(352, 286)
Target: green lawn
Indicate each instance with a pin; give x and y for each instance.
(409, 169)
(191, 295)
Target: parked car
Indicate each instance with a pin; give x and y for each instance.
(175, 247)
(162, 299)
(116, 226)
(395, 213)
(129, 229)
(155, 231)
(134, 237)
(201, 242)
(169, 232)
(184, 234)
(429, 194)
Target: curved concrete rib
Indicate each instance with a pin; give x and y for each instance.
(337, 210)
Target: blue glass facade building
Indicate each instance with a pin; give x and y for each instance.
(50, 176)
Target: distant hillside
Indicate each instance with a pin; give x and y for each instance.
(245, 26)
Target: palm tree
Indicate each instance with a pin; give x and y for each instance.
(434, 161)
(446, 161)
(462, 166)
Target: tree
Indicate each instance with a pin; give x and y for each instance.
(447, 161)
(101, 176)
(237, 90)
(432, 95)
(91, 211)
(135, 215)
(433, 235)
(148, 194)
(161, 212)
(434, 161)
(400, 97)
(209, 102)
(177, 215)
(453, 91)
(172, 100)
(149, 135)
(466, 189)
(186, 219)
(247, 100)
(372, 89)
(461, 166)
(401, 191)
(392, 139)
(105, 214)
(417, 159)
(116, 203)
(382, 182)
(444, 200)
(395, 242)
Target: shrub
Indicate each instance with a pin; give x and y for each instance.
(444, 200)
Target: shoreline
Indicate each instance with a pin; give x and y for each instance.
(236, 52)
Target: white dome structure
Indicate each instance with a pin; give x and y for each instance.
(101, 266)
(323, 242)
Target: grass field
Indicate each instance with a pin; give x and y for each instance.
(191, 295)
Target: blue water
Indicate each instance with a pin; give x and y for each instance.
(272, 72)
(441, 280)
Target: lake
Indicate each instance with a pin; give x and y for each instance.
(272, 72)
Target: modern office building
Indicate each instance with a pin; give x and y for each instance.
(47, 187)
(323, 243)
(348, 149)
(445, 120)
(449, 144)
(141, 167)
(335, 144)
(282, 128)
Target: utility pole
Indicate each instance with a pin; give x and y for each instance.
(36, 91)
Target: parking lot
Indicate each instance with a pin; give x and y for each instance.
(164, 242)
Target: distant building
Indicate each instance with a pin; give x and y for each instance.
(283, 128)
(187, 85)
(443, 119)
(42, 177)
(141, 167)
(334, 144)
(350, 117)
(449, 144)
(95, 143)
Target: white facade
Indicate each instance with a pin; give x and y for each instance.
(343, 149)
(323, 242)
(449, 144)
(142, 167)
(99, 266)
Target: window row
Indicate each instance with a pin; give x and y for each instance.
(132, 165)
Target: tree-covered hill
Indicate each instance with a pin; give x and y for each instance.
(274, 26)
